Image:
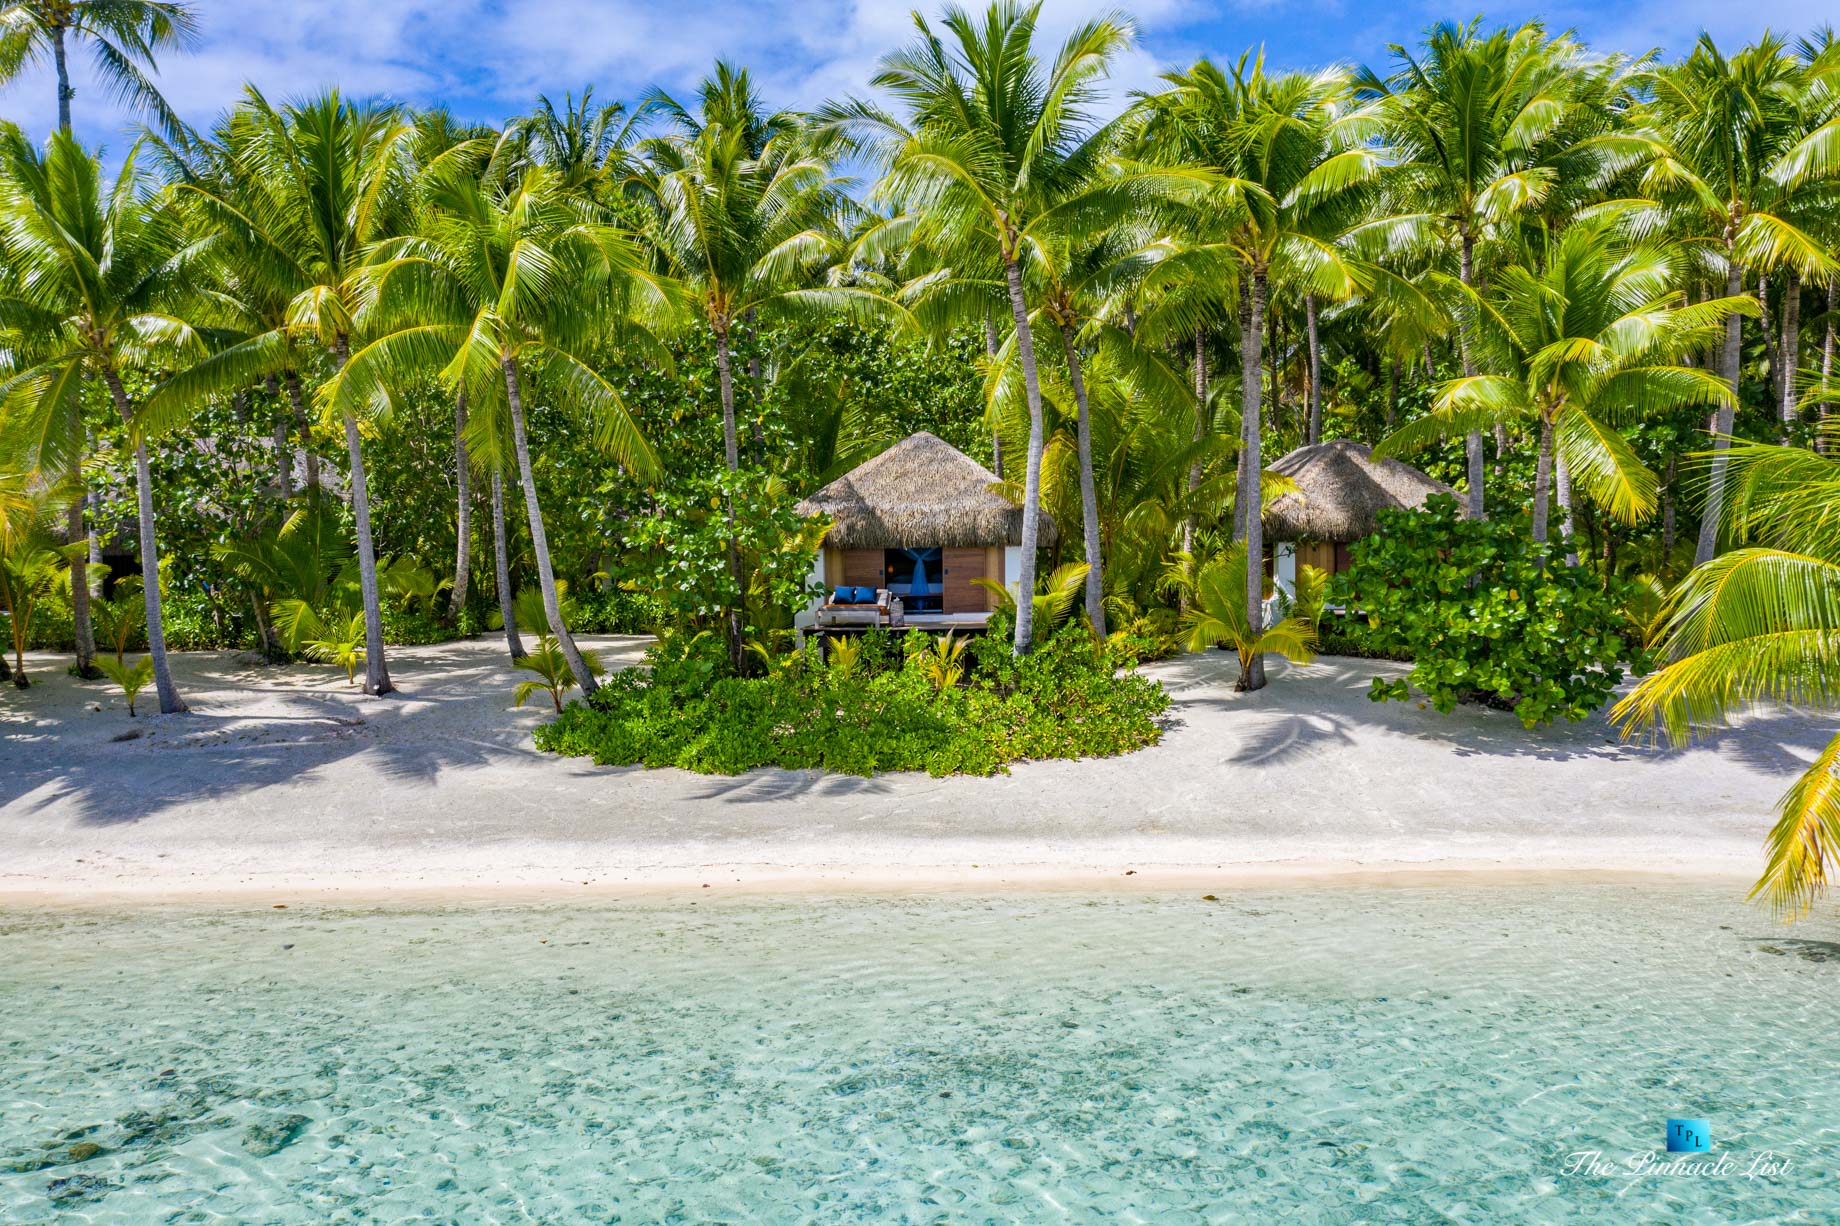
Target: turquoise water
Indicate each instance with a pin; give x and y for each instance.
(1345, 1053)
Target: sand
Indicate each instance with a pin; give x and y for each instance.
(285, 782)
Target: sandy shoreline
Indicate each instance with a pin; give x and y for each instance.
(284, 781)
(729, 882)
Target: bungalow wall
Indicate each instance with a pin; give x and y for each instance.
(869, 568)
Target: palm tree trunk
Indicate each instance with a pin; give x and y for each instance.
(1309, 316)
(284, 444)
(1721, 422)
(463, 513)
(376, 668)
(1392, 391)
(1771, 340)
(1667, 505)
(82, 624)
(760, 384)
(1089, 496)
(1827, 361)
(1791, 346)
(1562, 494)
(1251, 467)
(539, 541)
(298, 403)
(731, 448)
(1472, 442)
(996, 436)
(170, 702)
(1031, 481)
(1542, 479)
(501, 557)
(64, 92)
(1194, 465)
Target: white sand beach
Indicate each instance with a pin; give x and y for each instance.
(286, 780)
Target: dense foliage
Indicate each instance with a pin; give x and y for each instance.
(868, 709)
(1486, 614)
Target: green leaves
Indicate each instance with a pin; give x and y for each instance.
(1486, 615)
(954, 707)
(132, 678)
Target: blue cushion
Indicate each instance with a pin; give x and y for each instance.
(844, 595)
(865, 595)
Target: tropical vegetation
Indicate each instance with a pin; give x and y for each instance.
(264, 383)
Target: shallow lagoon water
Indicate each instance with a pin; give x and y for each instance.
(1328, 1054)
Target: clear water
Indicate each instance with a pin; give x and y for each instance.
(1347, 1053)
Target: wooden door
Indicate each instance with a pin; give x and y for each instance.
(961, 595)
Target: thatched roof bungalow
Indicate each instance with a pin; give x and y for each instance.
(1341, 490)
(922, 520)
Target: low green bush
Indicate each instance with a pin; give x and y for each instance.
(1486, 615)
(882, 710)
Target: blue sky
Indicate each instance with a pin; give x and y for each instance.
(489, 58)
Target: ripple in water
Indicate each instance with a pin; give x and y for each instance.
(1336, 1054)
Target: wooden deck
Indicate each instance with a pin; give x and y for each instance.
(931, 623)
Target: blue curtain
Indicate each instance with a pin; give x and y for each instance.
(920, 556)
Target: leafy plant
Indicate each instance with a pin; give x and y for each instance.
(1309, 595)
(1055, 596)
(132, 680)
(846, 655)
(1216, 617)
(940, 661)
(336, 641)
(553, 675)
(1071, 697)
(32, 566)
(1486, 614)
(120, 619)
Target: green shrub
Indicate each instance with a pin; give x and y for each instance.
(614, 611)
(1070, 698)
(1486, 615)
(1155, 634)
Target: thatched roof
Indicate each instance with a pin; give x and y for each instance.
(1341, 491)
(920, 493)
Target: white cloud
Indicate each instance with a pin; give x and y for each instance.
(489, 58)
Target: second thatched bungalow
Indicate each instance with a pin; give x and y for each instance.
(1341, 490)
(921, 522)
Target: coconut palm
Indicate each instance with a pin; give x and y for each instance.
(1761, 624)
(97, 282)
(508, 286)
(1216, 617)
(319, 184)
(587, 147)
(1482, 129)
(33, 566)
(746, 212)
(1729, 156)
(995, 148)
(1587, 343)
(124, 36)
(1285, 147)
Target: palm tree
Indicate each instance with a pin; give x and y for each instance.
(1583, 345)
(1728, 156)
(319, 184)
(1479, 126)
(124, 35)
(997, 149)
(33, 564)
(1216, 617)
(510, 284)
(747, 214)
(586, 146)
(1285, 147)
(97, 281)
(1759, 625)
